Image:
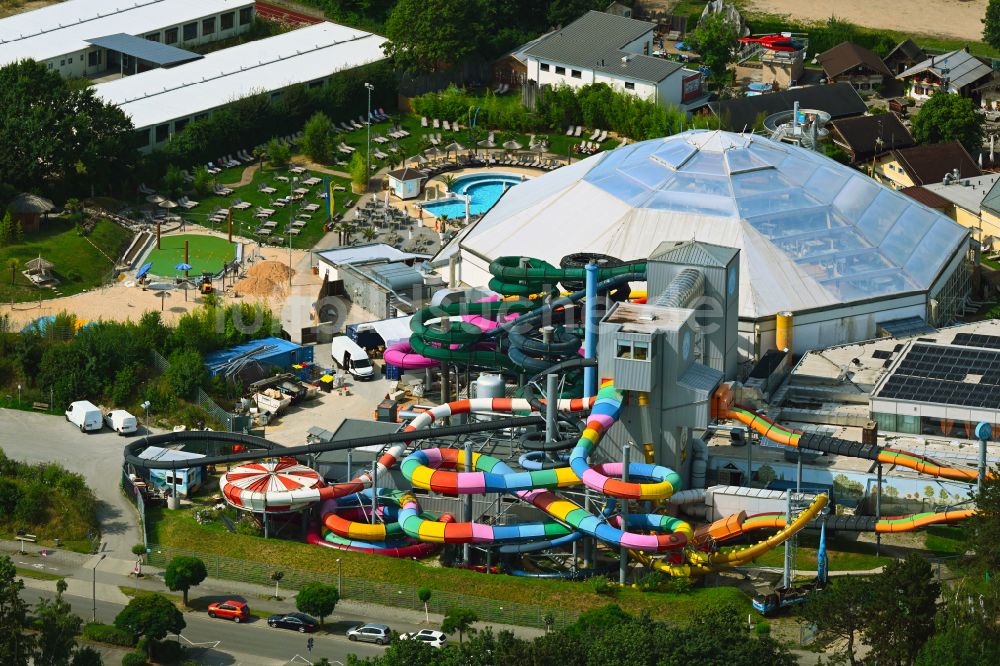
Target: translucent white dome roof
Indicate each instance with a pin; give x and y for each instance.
(812, 232)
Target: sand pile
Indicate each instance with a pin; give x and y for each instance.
(266, 279)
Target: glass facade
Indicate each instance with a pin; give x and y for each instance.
(854, 237)
(930, 426)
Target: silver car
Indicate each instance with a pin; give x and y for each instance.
(370, 633)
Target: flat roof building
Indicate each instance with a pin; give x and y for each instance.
(61, 35)
(162, 102)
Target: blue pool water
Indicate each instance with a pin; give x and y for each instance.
(484, 188)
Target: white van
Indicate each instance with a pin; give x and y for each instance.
(85, 415)
(121, 422)
(349, 355)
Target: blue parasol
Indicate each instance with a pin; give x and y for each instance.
(183, 267)
(142, 271)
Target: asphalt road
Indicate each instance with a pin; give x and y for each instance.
(39, 438)
(221, 642)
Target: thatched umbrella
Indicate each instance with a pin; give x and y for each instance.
(29, 208)
(155, 199)
(30, 204)
(512, 145)
(168, 204)
(433, 151)
(419, 159)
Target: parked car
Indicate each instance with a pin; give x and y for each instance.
(299, 622)
(237, 611)
(85, 415)
(433, 638)
(370, 633)
(121, 422)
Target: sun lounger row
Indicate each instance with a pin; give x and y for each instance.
(184, 202)
(587, 147)
(442, 124)
(501, 89)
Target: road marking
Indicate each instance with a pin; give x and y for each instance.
(208, 644)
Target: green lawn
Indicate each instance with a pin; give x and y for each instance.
(205, 254)
(843, 555)
(946, 540)
(245, 224)
(179, 529)
(81, 263)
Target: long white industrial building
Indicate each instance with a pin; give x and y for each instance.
(161, 102)
(60, 35)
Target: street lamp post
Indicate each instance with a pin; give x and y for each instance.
(291, 219)
(145, 407)
(340, 577)
(368, 159)
(19, 396)
(94, 586)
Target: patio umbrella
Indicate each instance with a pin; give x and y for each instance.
(512, 145)
(486, 143)
(161, 288)
(183, 267)
(454, 146)
(419, 159)
(167, 203)
(154, 198)
(433, 151)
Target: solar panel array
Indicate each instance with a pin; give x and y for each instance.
(977, 340)
(946, 375)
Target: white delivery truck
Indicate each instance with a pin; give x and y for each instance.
(349, 355)
(85, 415)
(121, 422)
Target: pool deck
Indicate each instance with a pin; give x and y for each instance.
(437, 184)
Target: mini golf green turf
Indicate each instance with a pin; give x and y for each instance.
(205, 253)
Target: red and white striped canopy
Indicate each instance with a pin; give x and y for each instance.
(274, 486)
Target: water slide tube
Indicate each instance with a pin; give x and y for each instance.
(791, 437)
(699, 562)
(423, 470)
(518, 276)
(887, 525)
(602, 417)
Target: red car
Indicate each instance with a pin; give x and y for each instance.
(237, 611)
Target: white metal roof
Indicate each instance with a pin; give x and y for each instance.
(303, 55)
(65, 27)
(160, 453)
(812, 233)
(368, 252)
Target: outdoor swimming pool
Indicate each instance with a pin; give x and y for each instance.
(484, 188)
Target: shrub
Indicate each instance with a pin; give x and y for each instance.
(168, 652)
(358, 170)
(107, 633)
(604, 587)
(247, 526)
(134, 659)
(762, 629)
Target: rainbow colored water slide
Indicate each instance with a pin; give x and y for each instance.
(430, 469)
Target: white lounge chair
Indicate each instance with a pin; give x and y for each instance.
(446, 125)
(578, 131)
(437, 124)
(596, 134)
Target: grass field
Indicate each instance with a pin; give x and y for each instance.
(81, 262)
(205, 253)
(180, 530)
(843, 555)
(946, 540)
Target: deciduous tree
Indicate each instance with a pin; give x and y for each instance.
(984, 525)
(429, 35)
(150, 616)
(184, 572)
(317, 599)
(16, 647)
(947, 117)
(839, 613)
(991, 24)
(460, 620)
(903, 606)
(715, 39)
(57, 630)
(318, 138)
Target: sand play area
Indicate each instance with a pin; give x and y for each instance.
(266, 281)
(957, 19)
